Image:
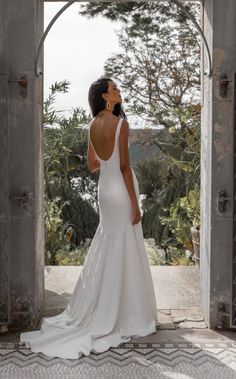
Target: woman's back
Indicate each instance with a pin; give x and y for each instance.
(113, 197)
(102, 135)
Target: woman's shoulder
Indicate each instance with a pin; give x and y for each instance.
(104, 118)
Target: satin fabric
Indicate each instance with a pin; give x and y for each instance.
(114, 298)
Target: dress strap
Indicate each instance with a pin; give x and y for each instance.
(118, 129)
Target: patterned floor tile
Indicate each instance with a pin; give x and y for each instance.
(127, 361)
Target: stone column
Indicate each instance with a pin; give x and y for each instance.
(21, 174)
(219, 25)
(4, 204)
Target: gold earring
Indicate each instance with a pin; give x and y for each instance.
(108, 105)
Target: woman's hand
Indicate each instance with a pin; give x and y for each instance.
(136, 214)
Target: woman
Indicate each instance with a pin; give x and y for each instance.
(114, 298)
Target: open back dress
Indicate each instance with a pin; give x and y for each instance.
(114, 298)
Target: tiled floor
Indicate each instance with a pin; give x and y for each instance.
(170, 361)
(167, 354)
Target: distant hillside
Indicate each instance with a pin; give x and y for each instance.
(141, 142)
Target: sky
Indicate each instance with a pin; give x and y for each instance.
(76, 49)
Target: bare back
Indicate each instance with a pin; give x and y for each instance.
(102, 134)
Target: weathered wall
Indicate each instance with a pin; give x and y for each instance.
(217, 162)
(21, 124)
(4, 204)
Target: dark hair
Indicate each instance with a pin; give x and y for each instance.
(96, 101)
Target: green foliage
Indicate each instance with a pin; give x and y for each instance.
(176, 257)
(183, 214)
(150, 174)
(70, 189)
(75, 257)
(55, 229)
(172, 206)
(58, 248)
(135, 13)
(158, 70)
(156, 205)
(153, 259)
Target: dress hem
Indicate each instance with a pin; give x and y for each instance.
(83, 352)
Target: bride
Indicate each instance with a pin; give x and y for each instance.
(113, 300)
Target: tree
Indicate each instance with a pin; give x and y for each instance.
(158, 71)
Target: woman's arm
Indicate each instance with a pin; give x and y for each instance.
(93, 163)
(124, 163)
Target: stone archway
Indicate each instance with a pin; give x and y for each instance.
(21, 195)
(176, 2)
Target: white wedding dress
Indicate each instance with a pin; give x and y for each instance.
(114, 297)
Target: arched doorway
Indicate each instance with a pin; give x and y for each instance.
(22, 243)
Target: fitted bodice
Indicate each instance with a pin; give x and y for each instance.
(114, 161)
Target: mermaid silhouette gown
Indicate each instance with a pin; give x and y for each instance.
(114, 298)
